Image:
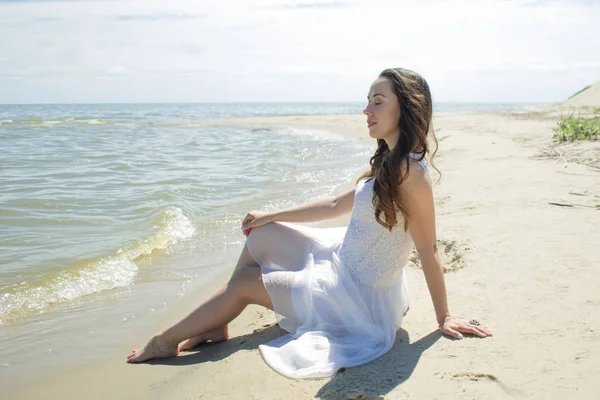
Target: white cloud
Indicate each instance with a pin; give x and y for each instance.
(117, 70)
(270, 50)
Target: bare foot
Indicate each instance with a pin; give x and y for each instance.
(218, 335)
(156, 347)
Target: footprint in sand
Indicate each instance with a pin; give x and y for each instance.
(472, 376)
(451, 255)
(478, 377)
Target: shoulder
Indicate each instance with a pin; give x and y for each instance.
(415, 175)
(416, 194)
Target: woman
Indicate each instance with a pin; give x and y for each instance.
(340, 292)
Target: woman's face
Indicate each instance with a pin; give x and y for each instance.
(383, 112)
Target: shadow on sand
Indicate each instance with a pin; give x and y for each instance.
(217, 351)
(381, 376)
(348, 382)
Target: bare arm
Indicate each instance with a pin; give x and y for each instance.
(318, 210)
(417, 194)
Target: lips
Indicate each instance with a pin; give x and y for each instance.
(371, 123)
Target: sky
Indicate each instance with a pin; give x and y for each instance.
(119, 51)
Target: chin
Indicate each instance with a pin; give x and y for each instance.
(373, 134)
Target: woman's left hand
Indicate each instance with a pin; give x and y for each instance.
(455, 327)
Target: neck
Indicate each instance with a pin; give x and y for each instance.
(392, 141)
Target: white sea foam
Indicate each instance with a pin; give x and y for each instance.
(101, 275)
(312, 134)
(51, 122)
(95, 122)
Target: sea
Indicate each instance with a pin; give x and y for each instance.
(112, 213)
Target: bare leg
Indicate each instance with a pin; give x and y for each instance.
(267, 235)
(216, 336)
(245, 287)
(219, 334)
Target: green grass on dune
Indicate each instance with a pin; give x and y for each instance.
(570, 128)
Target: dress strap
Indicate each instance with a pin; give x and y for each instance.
(423, 164)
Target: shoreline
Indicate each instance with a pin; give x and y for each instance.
(514, 258)
(253, 316)
(54, 362)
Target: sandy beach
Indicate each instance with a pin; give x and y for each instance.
(518, 221)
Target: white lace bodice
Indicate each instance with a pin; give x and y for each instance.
(372, 254)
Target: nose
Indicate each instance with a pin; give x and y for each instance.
(368, 111)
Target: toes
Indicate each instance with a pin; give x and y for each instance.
(189, 344)
(185, 347)
(132, 356)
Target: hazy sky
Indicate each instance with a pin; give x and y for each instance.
(260, 50)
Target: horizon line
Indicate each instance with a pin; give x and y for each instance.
(266, 102)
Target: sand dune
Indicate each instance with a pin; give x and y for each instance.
(590, 97)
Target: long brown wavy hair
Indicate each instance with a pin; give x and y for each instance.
(390, 169)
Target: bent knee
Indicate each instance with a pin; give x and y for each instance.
(263, 231)
(244, 281)
(259, 238)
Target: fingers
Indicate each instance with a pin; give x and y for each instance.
(247, 224)
(457, 327)
(247, 227)
(482, 331)
(476, 330)
(485, 330)
(455, 334)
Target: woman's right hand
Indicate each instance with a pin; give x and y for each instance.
(254, 219)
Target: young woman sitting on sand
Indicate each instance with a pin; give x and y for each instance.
(340, 292)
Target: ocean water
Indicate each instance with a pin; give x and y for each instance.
(91, 196)
(110, 212)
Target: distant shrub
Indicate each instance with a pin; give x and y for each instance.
(572, 128)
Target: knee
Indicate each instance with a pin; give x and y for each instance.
(260, 231)
(242, 281)
(258, 239)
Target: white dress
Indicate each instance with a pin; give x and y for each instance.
(340, 292)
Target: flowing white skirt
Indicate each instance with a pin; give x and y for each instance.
(333, 320)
